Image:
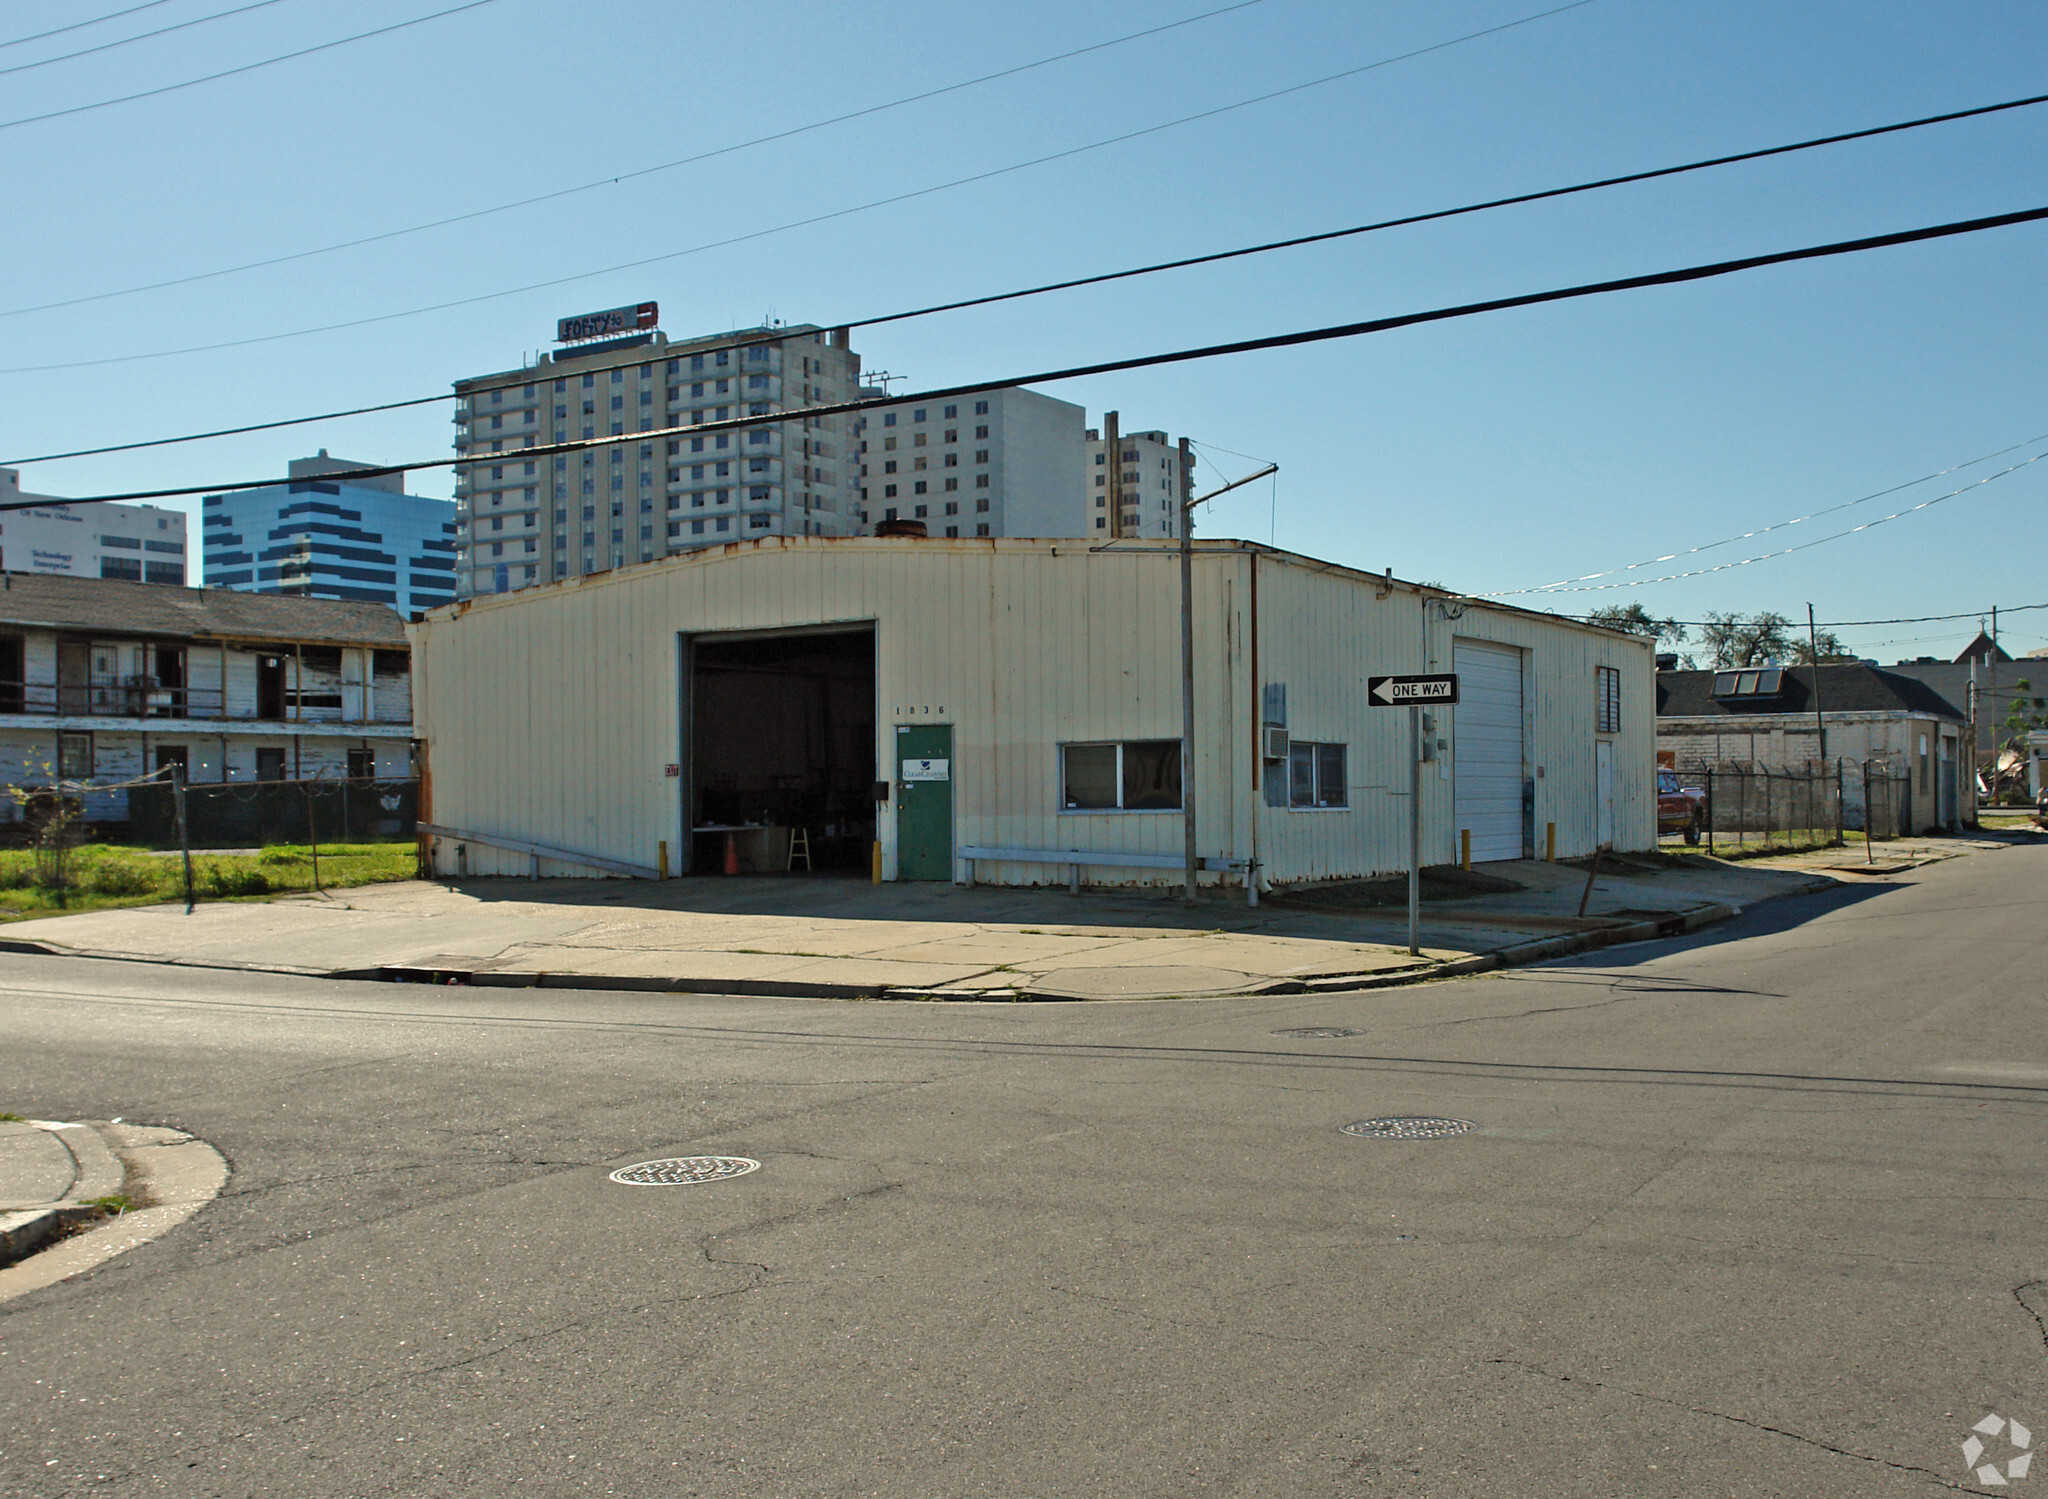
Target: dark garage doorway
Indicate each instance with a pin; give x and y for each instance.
(782, 740)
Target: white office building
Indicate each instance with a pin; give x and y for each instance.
(522, 521)
(1150, 485)
(1015, 463)
(1004, 463)
(137, 543)
(323, 537)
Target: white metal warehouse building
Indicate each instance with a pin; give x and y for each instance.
(936, 697)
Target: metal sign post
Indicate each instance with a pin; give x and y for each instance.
(1414, 826)
(1413, 693)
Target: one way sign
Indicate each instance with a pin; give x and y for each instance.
(1403, 692)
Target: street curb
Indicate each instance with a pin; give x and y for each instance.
(97, 1173)
(223, 965)
(1516, 955)
(178, 1175)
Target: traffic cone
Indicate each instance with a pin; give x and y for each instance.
(732, 854)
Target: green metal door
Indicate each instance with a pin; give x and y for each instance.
(924, 811)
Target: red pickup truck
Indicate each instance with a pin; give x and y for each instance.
(1681, 808)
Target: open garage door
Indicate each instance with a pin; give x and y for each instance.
(1487, 785)
(782, 750)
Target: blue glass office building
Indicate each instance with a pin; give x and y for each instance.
(326, 538)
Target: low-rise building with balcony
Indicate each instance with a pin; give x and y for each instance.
(104, 681)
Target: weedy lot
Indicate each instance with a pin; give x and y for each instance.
(100, 876)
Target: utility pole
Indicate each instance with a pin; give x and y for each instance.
(1991, 665)
(1191, 852)
(1813, 650)
(184, 827)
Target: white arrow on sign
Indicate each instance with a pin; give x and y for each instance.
(1397, 692)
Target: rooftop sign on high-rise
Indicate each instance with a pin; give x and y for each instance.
(612, 320)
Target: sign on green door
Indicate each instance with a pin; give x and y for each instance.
(924, 811)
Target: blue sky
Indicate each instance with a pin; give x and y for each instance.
(1494, 453)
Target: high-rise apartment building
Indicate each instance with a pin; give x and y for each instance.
(325, 538)
(522, 521)
(1015, 463)
(1150, 484)
(138, 543)
(1003, 463)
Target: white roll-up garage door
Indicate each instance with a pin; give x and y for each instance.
(1488, 752)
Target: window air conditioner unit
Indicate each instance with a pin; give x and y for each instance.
(1276, 742)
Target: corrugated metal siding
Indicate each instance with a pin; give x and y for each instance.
(1561, 701)
(1489, 749)
(551, 712)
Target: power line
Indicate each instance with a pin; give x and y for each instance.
(1148, 361)
(1565, 585)
(1805, 546)
(172, 88)
(666, 166)
(1448, 213)
(141, 36)
(81, 25)
(1854, 624)
(290, 421)
(803, 223)
(1052, 286)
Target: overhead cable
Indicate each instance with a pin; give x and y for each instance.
(1804, 546)
(249, 67)
(1566, 585)
(1143, 361)
(666, 166)
(803, 223)
(1053, 286)
(141, 36)
(1855, 624)
(290, 421)
(81, 25)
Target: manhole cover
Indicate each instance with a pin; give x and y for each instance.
(1408, 1128)
(1321, 1032)
(684, 1170)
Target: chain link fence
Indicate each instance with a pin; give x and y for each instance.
(1751, 806)
(252, 814)
(1748, 807)
(1887, 801)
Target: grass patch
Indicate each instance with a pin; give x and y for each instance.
(103, 876)
(1779, 844)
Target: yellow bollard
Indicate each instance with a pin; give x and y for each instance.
(664, 858)
(1465, 848)
(877, 862)
(1550, 843)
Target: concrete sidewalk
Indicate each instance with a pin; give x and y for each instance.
(50, 1174)
(833, 937)
(109, 1184)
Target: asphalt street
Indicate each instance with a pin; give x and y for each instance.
(1754, 1212)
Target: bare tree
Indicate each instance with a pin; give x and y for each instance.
(1634, 619)
(1732, 640)
(1825, 646)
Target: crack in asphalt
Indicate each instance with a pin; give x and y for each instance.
(2019, 1294)
(1122, 1310)
(1697, 1077)
(259, 1189)
(1763, 1426)
(1598, 1004)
